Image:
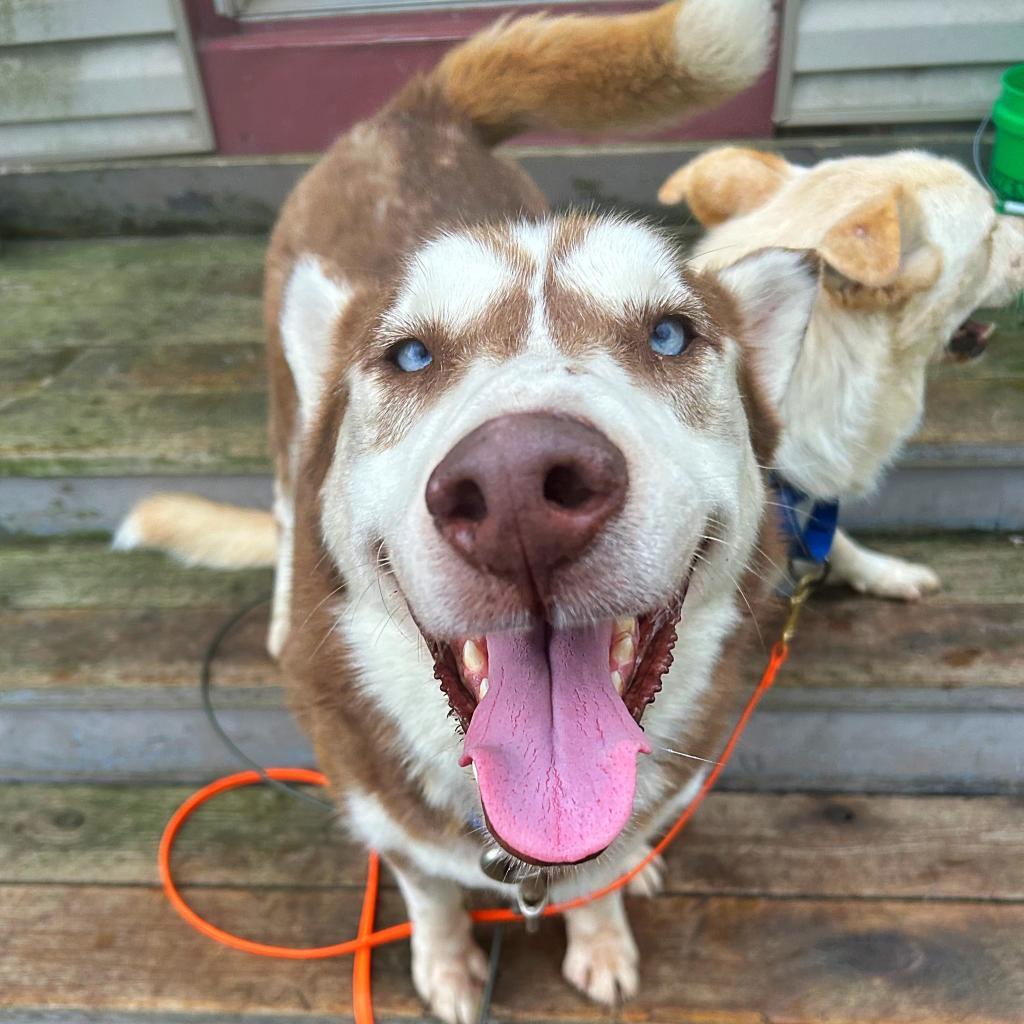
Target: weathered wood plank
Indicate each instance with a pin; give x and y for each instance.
(730, 960)
(848, 642)
(128, 431)
(71, 573)
(131, 292)
(977, 411)
(131, 432)
(80, 616)
(146, 646)
(194, 301)
(975, 567)
(159, 368)
(738, 844)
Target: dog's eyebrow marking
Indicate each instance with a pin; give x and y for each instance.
(450, 282)
(535, 240)
(618, 265)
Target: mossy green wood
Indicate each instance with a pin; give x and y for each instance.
(145, 356)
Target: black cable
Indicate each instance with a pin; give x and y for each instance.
(205, 683)
(493, 960)
(205, 688)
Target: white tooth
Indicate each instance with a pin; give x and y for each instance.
(622, 652)
(485, 685)
(625, 625)
(472, 656)
(617, 682)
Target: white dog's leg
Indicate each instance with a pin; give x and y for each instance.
(880, 575)
(601, 959)
(448, 967)
(280, 609)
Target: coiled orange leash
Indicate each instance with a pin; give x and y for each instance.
(367, 938)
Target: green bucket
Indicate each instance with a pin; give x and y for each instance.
(1006, 172)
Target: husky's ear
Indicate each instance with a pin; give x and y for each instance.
(876, 256)
(727, 182)
(774, 290)
(310, 309)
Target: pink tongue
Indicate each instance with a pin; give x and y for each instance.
(554, 746)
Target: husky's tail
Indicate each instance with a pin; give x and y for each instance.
(582, 73)
(200, 532)
(591, 73)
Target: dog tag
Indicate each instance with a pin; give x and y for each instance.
(532, 898)
(496, 865)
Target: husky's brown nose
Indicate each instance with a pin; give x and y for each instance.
(525, 493)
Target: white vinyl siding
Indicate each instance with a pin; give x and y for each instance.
(885, 61)
(84, 79)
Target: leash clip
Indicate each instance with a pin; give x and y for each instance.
(805, 586)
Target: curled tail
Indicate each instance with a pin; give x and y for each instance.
(200, 532)
(590, 73)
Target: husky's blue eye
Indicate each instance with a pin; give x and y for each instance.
(411, 355)
(670, 336)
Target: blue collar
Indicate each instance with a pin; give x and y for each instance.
(809, 525)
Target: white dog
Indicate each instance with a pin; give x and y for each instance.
(911, 246)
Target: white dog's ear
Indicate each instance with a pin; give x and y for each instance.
(310, 309)
(876, 256)
(727, 182)
(775, 291)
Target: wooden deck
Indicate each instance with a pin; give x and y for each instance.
(128, 365)
(146, 355)
(778, 908)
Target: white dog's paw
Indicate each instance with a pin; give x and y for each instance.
(450, 982)
(603, 965)
(894, 578)
(651, 880)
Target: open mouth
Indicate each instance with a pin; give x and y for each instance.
(969, 341)
(551, 717)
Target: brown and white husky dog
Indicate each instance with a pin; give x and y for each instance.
(519, 479)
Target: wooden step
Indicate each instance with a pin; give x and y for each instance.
(852, 908)
(140, 361)
(99, 656)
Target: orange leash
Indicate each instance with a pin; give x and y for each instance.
(366, 938)
(362, 961)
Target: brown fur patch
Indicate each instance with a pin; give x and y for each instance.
(726, 183)
(497, 334)
(763, 421)
(865, 245)
(918, 272)
(356, 745)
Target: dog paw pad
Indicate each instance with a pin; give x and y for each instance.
(451, 985)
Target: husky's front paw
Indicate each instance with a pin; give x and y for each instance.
(602, 958)
(449, 980)
(603, 966)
